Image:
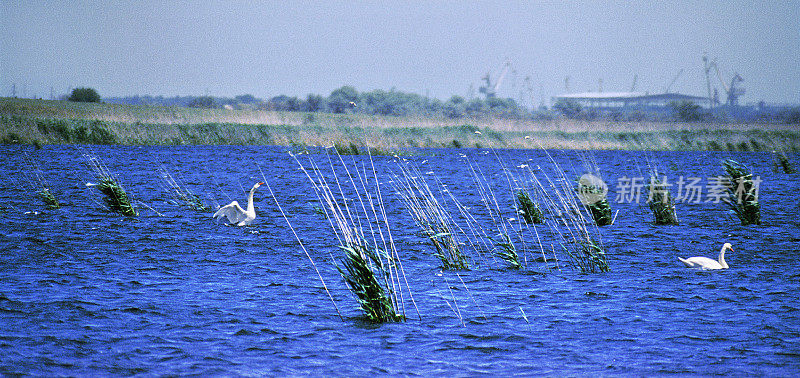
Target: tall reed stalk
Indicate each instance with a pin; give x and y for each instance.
(302, 246)
(430, 216)
(372, 267)
(504, 246)
(572, 232)
(181, 195)
(37, 183)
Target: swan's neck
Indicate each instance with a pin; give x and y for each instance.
(722, 257)
(250, 207)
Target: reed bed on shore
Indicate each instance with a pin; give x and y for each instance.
(60, 122)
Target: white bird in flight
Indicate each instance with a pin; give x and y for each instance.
(707, 263)
(235, 214)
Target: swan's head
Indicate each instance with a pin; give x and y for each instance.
(727, 246)
(258, 184)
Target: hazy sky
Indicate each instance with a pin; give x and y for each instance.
(439, 48)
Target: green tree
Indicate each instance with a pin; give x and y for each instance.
(84, 95)
(503, 107)
(202, 102)
(246, 99)
(285, 103)
(454, 107)
(340, 99)
(477, 107)
(314, 103)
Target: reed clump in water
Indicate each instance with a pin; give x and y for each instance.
(507, 251)
(781, 163)
(363, 266)
(660, 201)
(571, 231)
(593, 194)
(180, 195)
(114, 195)
(447, 249)
(588, 255)
(48, 198)
(742, 192)
(433, 219)
(372, 268)
(529, 210)
(37, 183)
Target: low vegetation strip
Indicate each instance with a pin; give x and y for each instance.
(41, 122)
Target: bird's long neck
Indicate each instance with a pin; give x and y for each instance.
(722, 257)
(250, 207)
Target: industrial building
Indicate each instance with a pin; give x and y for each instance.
(633, 100)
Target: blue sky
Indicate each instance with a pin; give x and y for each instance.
(439, 48)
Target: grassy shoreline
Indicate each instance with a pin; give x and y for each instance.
(42, 122)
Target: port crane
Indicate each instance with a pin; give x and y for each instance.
(489, 88)
(732, 91)
(666, 90)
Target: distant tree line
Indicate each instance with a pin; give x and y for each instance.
(347, 99)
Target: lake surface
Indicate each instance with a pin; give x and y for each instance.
(171, 292)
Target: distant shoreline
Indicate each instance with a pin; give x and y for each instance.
(43, 122)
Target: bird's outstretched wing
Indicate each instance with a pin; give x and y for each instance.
(232, 211)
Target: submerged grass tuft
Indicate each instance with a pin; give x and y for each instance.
(48, 198)
(742, 192)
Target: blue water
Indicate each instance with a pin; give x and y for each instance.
(87, 292)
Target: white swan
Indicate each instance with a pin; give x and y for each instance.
(235, 214)
(707, 263)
